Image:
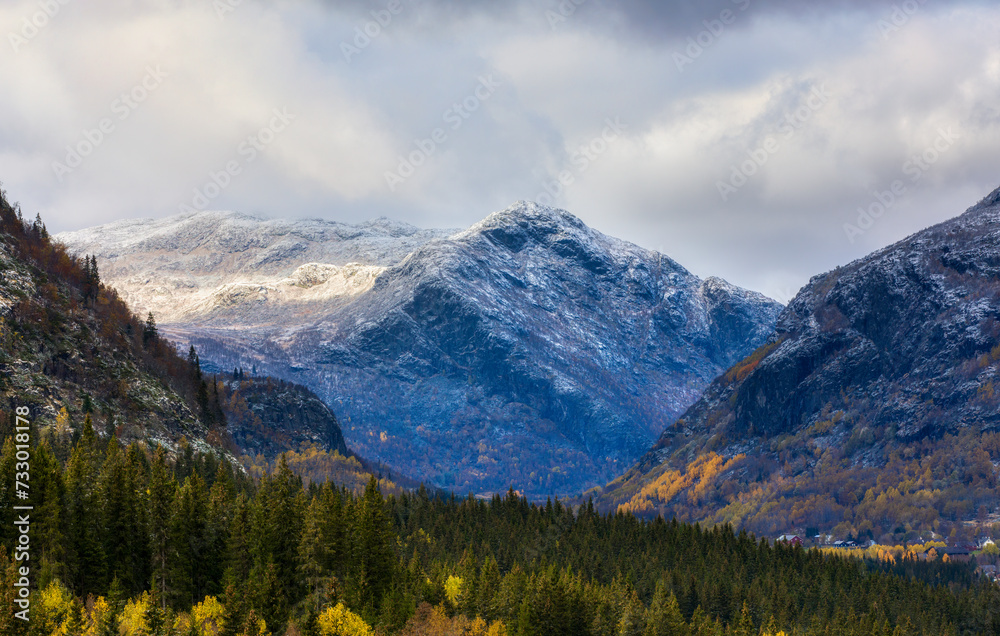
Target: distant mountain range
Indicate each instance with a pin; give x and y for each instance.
(873, 408)
(528, 350)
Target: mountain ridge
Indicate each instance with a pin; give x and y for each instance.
(888, 361)
(525, 335)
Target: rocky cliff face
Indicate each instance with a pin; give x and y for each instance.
(267, 417)
(893, 353)
(528, 349)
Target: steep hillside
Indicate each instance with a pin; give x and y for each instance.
(69, 348)
(528, 350)
(871, 410)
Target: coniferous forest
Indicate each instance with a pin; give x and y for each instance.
(129, 541)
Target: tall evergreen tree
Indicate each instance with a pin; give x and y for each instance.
(334, 529)
(664, 617)
(239, 545)
(194, 363)
(125, 541)
(312, 553)
(84, 519)
(632, 622)
(160, 504)
(187, 580)
(149, 332)
(372, 555)
(50, 493)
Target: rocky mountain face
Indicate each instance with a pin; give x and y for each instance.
(267, 417)
(880, 375)
(528, 349)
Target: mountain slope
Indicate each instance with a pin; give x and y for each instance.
(196, 267)
(268, 417)
(69, 347)
(871, 409)
(527, 350)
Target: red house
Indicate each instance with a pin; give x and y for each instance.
(790, 539)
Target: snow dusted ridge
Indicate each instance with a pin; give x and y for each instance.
(526, 349)
(190, 267)
(904, 339)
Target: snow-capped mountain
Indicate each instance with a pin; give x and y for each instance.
(191, 266)
(527, 350)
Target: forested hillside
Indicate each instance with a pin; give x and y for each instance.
(130, 542)
(139, 530)
(72, 351)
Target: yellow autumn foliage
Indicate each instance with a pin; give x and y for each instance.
(132, 620)
(95, 616)
(697, 478)
(340, 621)
(208, 616)
(453, 589)
(52, 608)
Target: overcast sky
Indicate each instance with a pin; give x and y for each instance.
(739, 137)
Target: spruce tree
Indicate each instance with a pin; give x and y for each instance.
(277, 526)
(187, 579)
(664, 615)
(235, 607)
(372, 554)
(160, 503)
(312, 552)
(149, 332)
(239, 547)
(632, 621)
(84, 519)
(156, 616)
(489, 585)
(47, 479)
(125, 542)
(334, 528)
